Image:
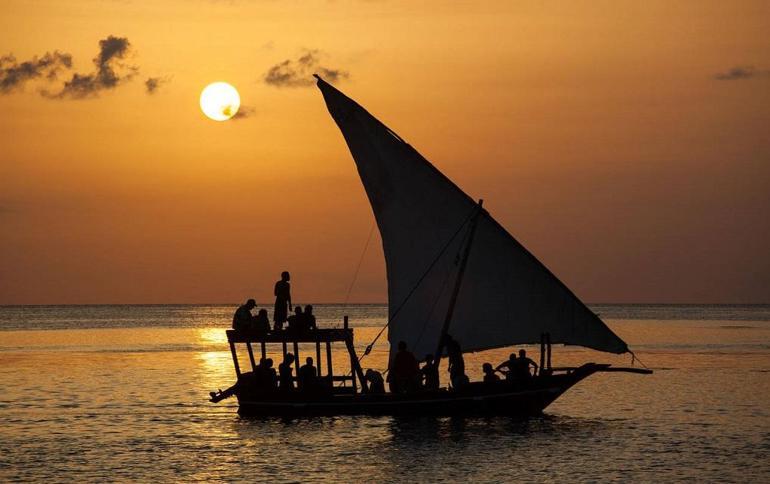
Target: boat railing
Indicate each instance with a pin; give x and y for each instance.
(289, 336)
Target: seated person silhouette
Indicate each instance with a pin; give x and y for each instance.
(375, 381)
(429, 373)
(523, 363)
(296, 321)
(261, 322)
(404, 372)
(261, 375)
(511, 366)
(307, 376)
(243, 320)
(489, 373)
(271, 378)
(309, 318)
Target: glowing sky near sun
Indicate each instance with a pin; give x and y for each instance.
(624, 143)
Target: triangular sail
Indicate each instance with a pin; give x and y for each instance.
(507, 296)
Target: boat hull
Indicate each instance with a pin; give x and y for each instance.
(524, 398)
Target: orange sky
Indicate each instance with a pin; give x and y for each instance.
(598, 133)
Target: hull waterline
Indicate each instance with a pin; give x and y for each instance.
(513, 399)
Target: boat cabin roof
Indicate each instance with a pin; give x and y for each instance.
(287, 336)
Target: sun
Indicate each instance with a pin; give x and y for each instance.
(220, 101)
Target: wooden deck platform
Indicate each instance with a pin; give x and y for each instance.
(287, 336)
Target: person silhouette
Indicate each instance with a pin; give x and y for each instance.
(456, 363)
(271, 377)
(405, 371)
(376, 383)
(282, 293)
(261, 378)
(309, 318)
(297, 320)
(523, 363)
(286, 373)
(512, 367)
(243, 319)
(489, 373)
(306, 375)
(262, 322)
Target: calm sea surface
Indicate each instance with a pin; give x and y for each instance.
(119, 393)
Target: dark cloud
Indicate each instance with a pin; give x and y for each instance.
(14, 74)
(739, 73)
(153, 83)
(110, 71)
(299, 72)
(244, 112)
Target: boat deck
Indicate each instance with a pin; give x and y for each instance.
(320, 335)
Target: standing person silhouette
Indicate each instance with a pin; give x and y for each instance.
(456, 363)
(513, 367)
(404, 371)
(282, 300)
(523, 365)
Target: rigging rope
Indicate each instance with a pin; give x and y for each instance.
(360, 261)
(411, 292)
(450, 272)
(636, 358)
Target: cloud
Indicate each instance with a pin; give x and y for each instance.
(299, 72)
(244, 112)
(153, 83)
(739, 73)
(110, 71)
(13, 75)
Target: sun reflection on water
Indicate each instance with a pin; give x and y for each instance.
(134, 403)
(212, 336)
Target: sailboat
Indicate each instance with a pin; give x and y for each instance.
(454, 274)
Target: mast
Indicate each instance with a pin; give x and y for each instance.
(458, 284)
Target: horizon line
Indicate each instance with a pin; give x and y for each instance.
(375, 304)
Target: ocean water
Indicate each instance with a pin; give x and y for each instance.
(119, 393)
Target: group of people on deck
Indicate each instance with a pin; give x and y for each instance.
(404, 376)
(264, 376)
(407, 376)
(267, 379)
(302, 320)
(517, 368)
